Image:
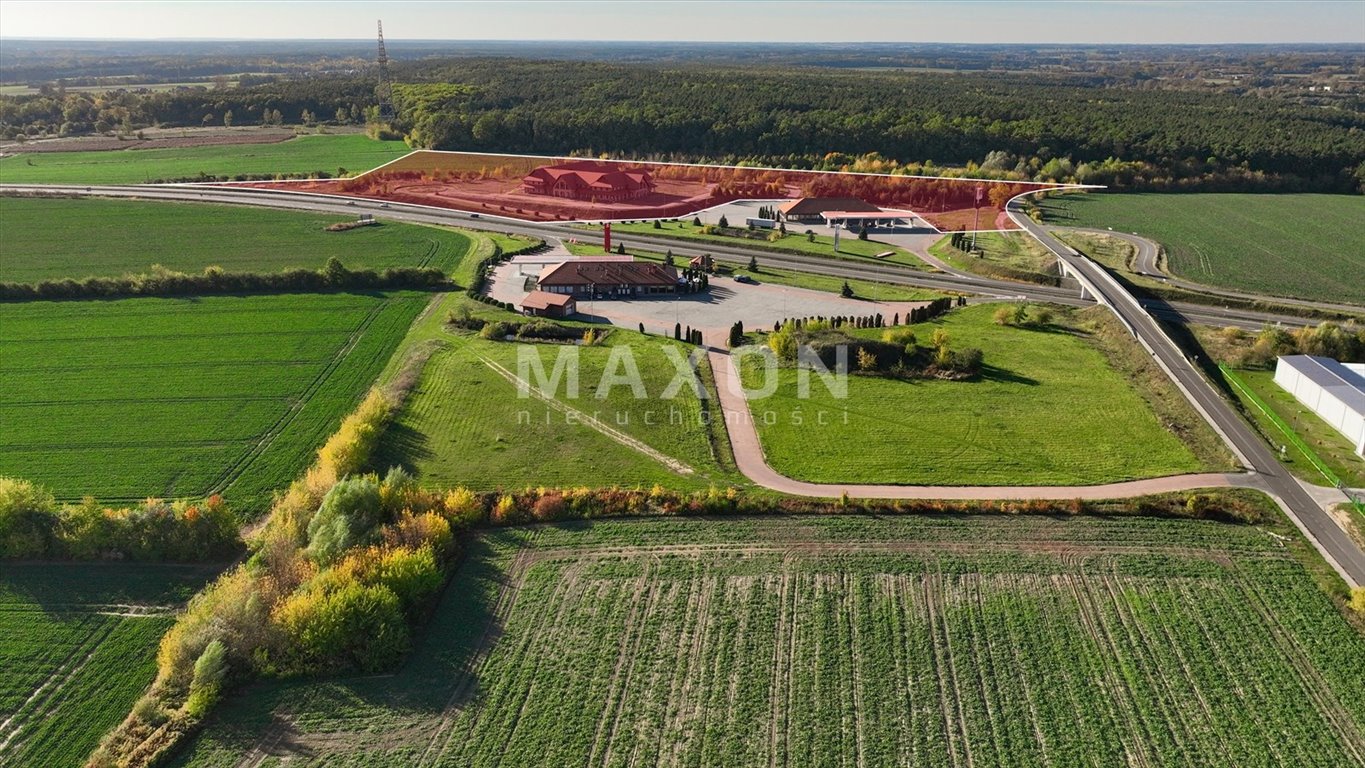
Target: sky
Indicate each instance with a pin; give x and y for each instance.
(982, 21)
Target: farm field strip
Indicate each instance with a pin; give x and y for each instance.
(303, 154)
(1299, 246)
(186, 408)
(627, 643)
(77, 647)
(50, 239)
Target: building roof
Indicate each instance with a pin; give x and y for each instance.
(543, 300)
(867, 214)
(644, 273)
(814, 206)
(1343, 383)
(586, 173)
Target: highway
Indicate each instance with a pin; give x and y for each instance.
(1335, 545)
(1339, 550)
(843, 268)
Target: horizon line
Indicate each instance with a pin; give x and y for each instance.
(614, 41)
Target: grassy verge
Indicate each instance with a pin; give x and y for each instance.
(1048, 409)
(1312, 450)
(796, 241)
(1117, 255)
(355, 153)
(1003, 256)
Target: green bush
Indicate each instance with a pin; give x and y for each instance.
(349, 513)
(354, 627)
(209, 672)
(27, 512)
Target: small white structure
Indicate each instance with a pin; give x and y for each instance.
(1331, 390)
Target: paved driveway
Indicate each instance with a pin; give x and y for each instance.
(757, 306)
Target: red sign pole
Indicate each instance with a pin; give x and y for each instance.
(606, 237)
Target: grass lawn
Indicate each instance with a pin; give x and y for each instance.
(43, 239)
(1331, 447)
(1047, 410)
(305, 154)
(465, 425)
(850, 247)
(866, 289)
(179, 397)
(1004, 255)
(913, 640)
(73, 656)
(1304, 246)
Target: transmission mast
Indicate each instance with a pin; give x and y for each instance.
(384, 91)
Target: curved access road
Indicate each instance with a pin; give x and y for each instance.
(750, 461)
(1317, 525)
(1336, 547)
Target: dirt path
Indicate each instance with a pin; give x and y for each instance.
(751, 462)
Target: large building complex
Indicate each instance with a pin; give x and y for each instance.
(1333, 391)
(589, 180)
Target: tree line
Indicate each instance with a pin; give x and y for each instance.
(1020, 126)
(34, 525)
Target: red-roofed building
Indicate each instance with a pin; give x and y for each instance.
(609, 279)
(543, 304)
(589, 180)
(812, 209)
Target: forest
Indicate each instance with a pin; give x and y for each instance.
(1023, 126)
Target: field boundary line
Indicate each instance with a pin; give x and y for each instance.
(589, 421)
(53, 685)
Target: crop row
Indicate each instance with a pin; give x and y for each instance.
(646, 666)
(207, 390)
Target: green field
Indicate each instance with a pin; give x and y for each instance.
(465, 425)
(177, 397)
(846, 641)
(304, 154)
(44, 239)
(1302, 246)
(77, 648)
(850, 246)
(1047, 410)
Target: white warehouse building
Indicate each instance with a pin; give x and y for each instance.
(1333, 391)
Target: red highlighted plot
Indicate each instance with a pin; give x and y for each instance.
(576, 189)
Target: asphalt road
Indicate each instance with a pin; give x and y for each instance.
(1335, 545)
(845, 268)
(1317, 525)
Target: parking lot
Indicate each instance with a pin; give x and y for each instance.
(757, 305)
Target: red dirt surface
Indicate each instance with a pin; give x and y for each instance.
(492, 184)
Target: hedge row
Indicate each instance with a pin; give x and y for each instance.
(34, 526)
(215, 280)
